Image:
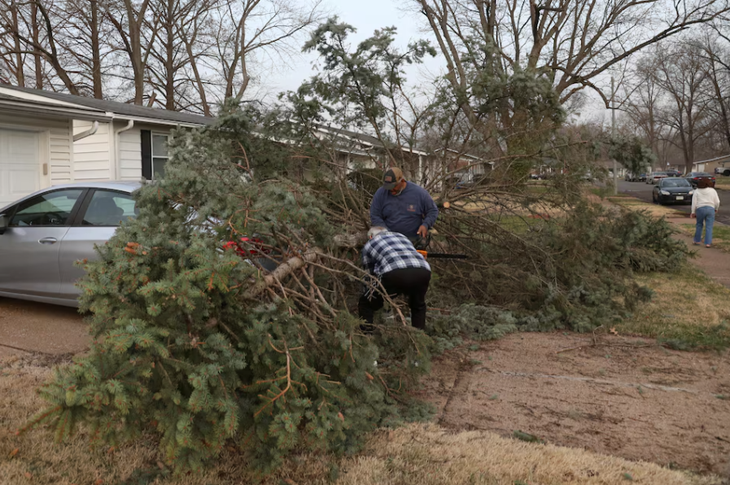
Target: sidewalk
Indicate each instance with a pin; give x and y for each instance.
(714, 262)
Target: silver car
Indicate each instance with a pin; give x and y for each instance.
(45, 233)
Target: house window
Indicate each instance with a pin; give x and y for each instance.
(159, 155)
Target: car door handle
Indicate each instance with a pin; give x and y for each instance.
(48, 240)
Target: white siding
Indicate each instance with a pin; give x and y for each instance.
(130, 150)
(56, 140)
(93, 154)
(61, 141)
(130, 154)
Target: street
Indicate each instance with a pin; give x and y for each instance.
(642, 191)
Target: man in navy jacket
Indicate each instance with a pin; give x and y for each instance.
(403, 206)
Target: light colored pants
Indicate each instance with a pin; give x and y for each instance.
(706, 216)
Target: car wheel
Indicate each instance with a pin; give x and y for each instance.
(726, 173)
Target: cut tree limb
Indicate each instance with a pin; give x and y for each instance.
(283, 270)
(355, 240)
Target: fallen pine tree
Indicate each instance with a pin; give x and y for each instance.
(196, 346)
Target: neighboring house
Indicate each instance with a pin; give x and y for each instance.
(361, 151)
(49, 138)
(466, 168)
(357, 151)
(711, 164)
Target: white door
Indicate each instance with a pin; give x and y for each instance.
(19, 164)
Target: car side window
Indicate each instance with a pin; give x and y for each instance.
(49, 209)
(109, 208)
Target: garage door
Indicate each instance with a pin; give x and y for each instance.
(19, 164)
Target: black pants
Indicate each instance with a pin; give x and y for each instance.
(411, 282)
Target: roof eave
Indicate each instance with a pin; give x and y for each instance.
(23, 106)
(155, 121)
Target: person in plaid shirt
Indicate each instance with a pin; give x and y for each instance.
(391, 257)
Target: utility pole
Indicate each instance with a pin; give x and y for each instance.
(613, 135)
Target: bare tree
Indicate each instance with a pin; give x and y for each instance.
(644, 104)
(261, 28)
(572, 41)
(86, 38)
(178, 44)
(178, 54)
(12, 52)
(681, 73)
(36, 34)
(710, 47)
(129, 20)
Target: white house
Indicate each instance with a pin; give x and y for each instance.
(49, 138)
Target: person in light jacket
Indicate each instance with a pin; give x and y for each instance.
(705, 204)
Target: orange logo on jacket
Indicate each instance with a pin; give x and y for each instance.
(411, 208)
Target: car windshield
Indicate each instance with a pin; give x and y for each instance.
(700, 174)
(675, 183)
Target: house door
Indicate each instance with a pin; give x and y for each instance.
(19, 164)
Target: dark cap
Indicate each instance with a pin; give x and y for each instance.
(391, 177)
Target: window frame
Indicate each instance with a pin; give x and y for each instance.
(12, 210)
(79, 216)
(153, 134)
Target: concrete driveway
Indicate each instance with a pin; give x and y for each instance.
(27, 327)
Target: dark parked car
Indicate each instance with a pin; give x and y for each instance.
(694, 177)
(641, 177)
(722, 171)
(674, 173)
(672, 190)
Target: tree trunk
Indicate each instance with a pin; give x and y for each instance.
(19, 63)
(37, 56)
(198, 79)
(170, 56)
(96, 79)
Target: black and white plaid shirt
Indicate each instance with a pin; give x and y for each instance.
(388, 251)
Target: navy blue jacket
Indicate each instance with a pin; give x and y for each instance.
(403, 213)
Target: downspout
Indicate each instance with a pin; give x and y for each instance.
(94, 128)
(117, 154)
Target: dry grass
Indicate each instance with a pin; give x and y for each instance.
(688, 311)
(429, 455)
(422, 454)
(656, 210)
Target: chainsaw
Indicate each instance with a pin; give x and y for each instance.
(421, 244)
(429, 254)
